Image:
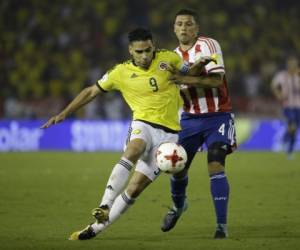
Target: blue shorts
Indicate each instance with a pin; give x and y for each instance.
(292, 115)
(206, 129)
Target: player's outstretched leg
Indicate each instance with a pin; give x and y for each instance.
(220, 194)
(116, 183)
(178, 190)
(120, 205)
(219, 186)
(101, 213)
(85, 234)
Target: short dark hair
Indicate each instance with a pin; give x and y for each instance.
(139, 34)
(187, 12)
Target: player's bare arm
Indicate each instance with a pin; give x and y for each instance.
(193, 77)
(84, 97)
(195, 69)
(208, 81)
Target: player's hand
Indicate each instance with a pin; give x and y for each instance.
(54, 120)
(172, 69)
(204, 60)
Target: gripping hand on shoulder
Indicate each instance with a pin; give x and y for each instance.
(202, 62)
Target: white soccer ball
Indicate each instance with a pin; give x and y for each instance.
(171, 157)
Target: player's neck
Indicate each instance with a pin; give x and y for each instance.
(140, 66)
(187, 46)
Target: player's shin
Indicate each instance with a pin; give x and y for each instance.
(220, 193)
(116, 182)
(178, 190)
(121, 204)
(291, 142)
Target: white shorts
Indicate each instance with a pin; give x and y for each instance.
(153, 138)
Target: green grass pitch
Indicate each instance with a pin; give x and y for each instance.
(46, 196)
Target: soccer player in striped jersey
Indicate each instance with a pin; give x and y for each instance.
(286, 88)
(155, 101)
(206, 119)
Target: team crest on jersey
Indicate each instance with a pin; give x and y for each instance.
(136, 131)
(163, 66)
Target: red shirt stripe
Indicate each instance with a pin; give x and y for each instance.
(208, 43)
(224, 99)
(186, 102)
(194, 97)
(210, 100)
(185, 55)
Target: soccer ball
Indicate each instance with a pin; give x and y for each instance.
(171, 157)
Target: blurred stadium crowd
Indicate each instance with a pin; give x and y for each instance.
(50, 50)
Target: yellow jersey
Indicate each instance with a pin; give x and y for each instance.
(149, 93)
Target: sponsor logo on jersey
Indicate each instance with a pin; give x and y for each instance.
(136, 131)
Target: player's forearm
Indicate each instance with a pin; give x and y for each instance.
(209, 81)
(81, 99)
(84, 97)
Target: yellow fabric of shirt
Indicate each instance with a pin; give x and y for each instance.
(149, 93)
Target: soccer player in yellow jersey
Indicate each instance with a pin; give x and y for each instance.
(155, 102)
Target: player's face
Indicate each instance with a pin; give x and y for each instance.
(142, 53)
(186, 29)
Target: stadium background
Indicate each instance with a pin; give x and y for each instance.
(50, 50)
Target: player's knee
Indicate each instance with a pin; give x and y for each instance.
(184, 172)
(181, 174)
(137, 184)
(216, 154)
(134, 150)
(215, 167)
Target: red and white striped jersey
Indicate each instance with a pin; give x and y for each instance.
(199, 100)
(290, 87)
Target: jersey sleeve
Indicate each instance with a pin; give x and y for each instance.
(212, 48)
(110, 80)
(178, 63)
